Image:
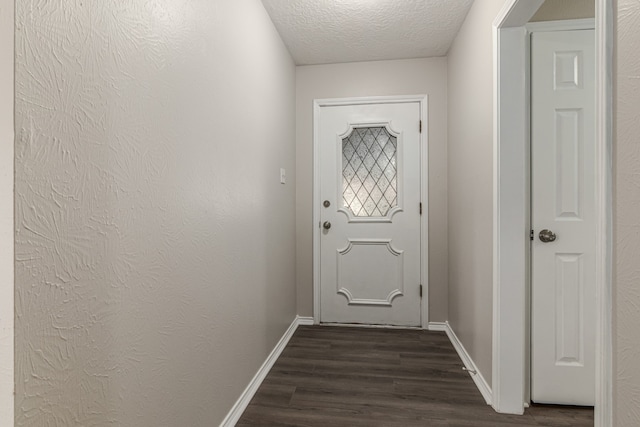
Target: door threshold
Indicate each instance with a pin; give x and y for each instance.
(365, 325)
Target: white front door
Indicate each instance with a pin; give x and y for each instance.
(563, 217)
(369, 167)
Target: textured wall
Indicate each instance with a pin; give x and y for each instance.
(6, 212)
(154, 243)
(470, 170)
(627, 217)
(554, 10)
(404, 77)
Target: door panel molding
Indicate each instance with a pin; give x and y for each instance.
(510, 206)
(568, 194)
(569, 334)
(422, 100)
(399, 272)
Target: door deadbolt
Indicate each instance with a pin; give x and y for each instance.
(326, 203)
(326, 225)
(547, 236)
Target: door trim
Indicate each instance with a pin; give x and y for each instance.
(511, 123)
(422, 100)
(564, 25)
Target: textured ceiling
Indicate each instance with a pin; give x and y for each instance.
(330, 31)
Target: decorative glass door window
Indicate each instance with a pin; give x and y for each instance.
(369, 172)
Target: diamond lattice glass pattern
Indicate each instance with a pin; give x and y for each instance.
(369, 172)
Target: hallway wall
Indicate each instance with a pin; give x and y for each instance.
(554, 10)
(6, 211)
(470, 175)
(627, 217)
(379, 78)
(470, 193)
(154, 242)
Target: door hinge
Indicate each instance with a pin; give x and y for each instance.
(420, 208)
(420, 126)
(420, 291)
(531, 235)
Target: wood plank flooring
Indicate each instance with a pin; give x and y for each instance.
(339, 376)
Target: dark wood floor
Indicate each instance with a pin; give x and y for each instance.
(338, 376)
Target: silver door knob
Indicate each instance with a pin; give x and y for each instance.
(326, 225)
(547, 236)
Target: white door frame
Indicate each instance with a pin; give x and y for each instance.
(424, 194)
(511, 205)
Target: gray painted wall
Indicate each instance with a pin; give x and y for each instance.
(154, 242)
(469, 183)
(555, 10)
(627, 243)
(6, 211)
(627, 217)
(470, 172)
(403, 77)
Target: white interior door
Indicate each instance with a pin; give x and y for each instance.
(369, 166)
(563, 217)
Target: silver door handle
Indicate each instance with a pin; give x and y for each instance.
(326, 225)
(547, 236)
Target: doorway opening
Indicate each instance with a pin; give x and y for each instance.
(511, 221)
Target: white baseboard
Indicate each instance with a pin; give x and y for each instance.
(305, 321)
(438, 326)
(243, 401)
(468, 362)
